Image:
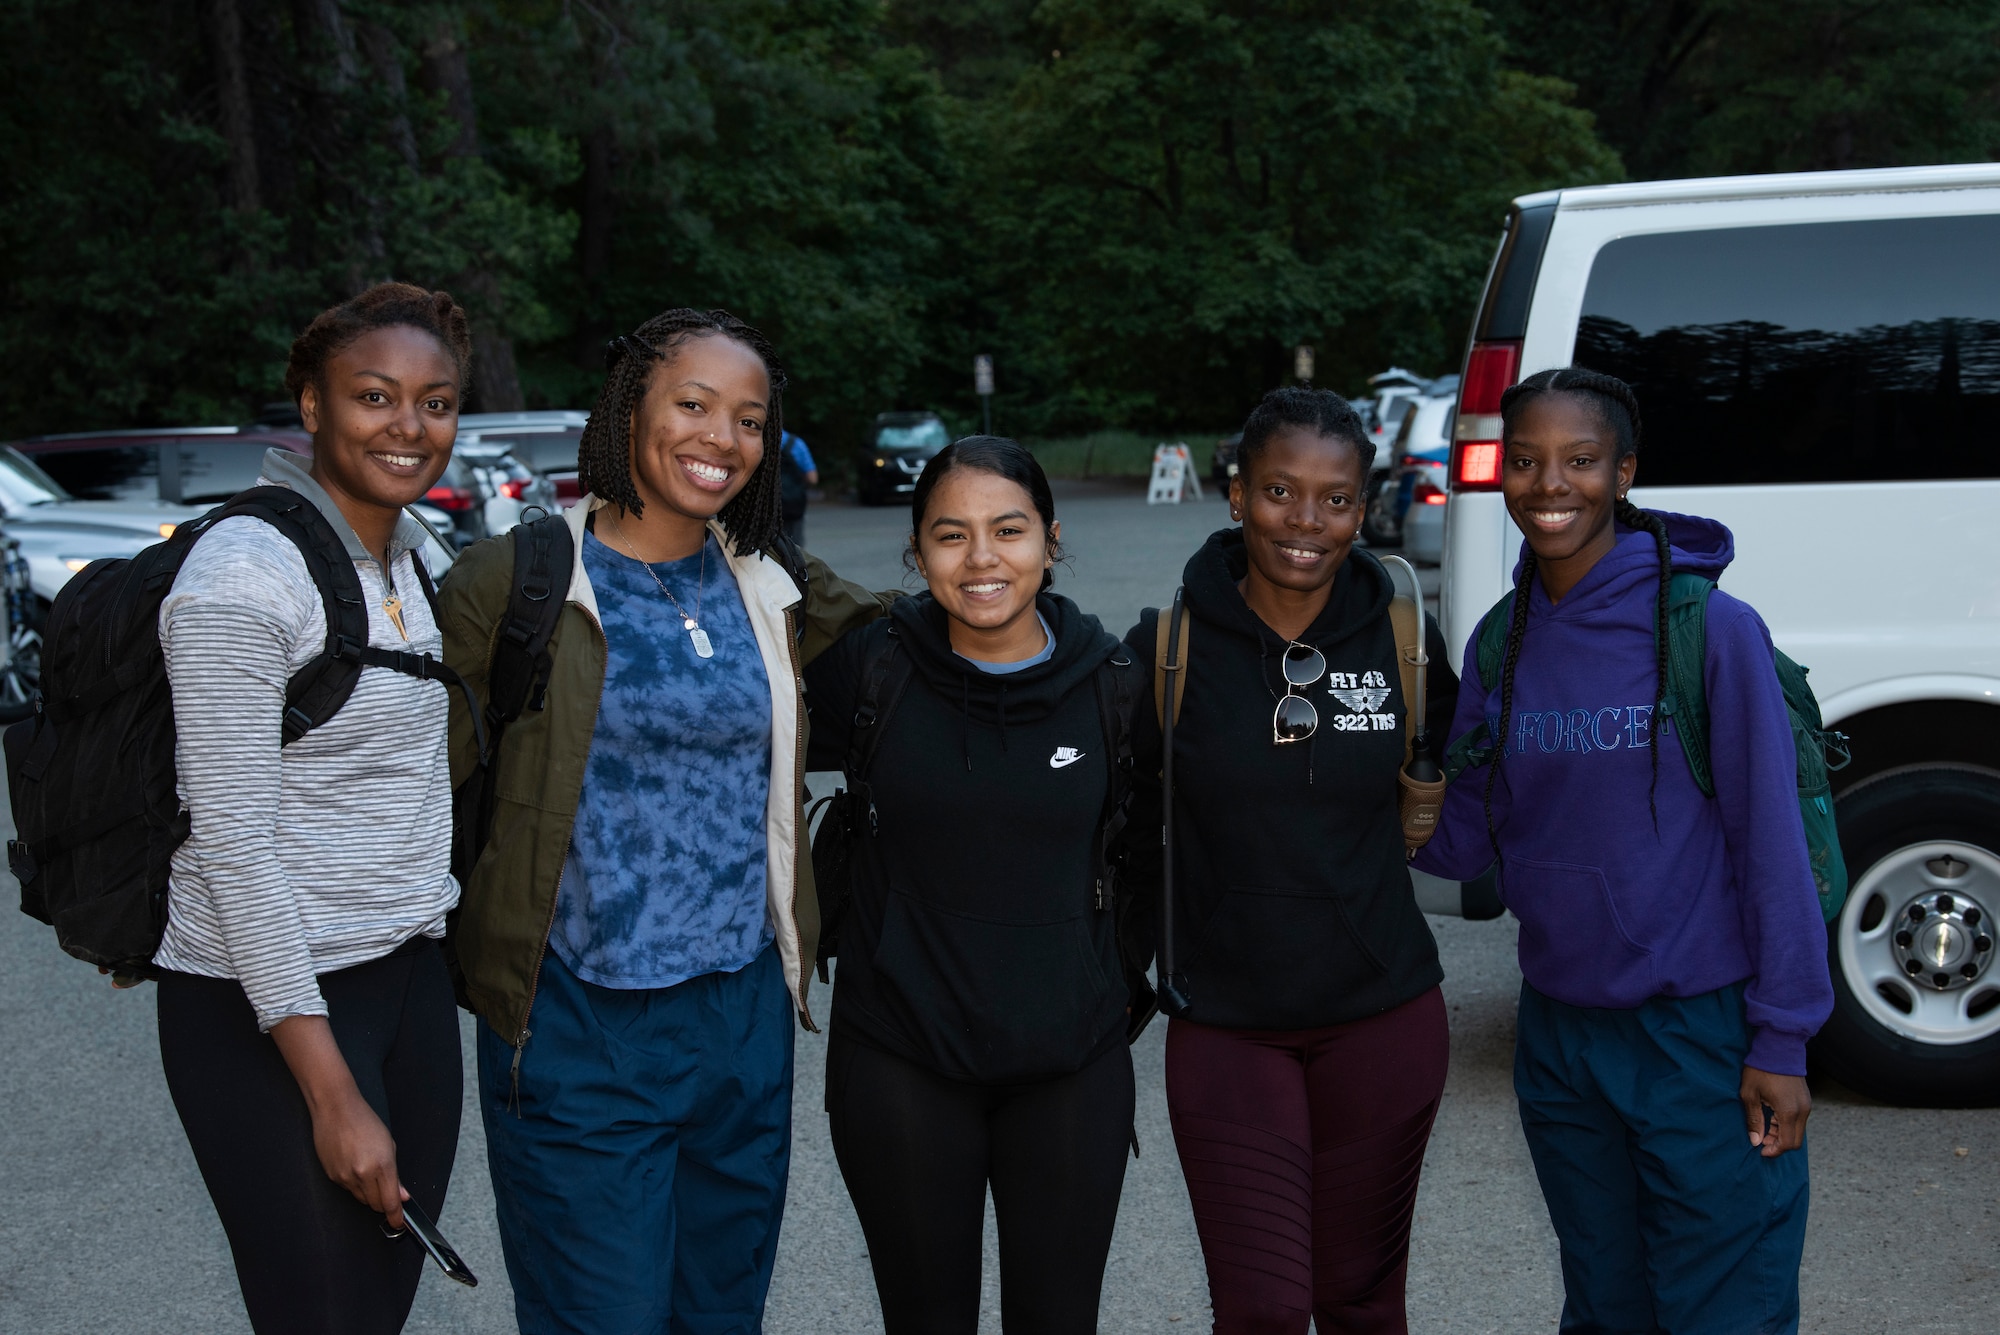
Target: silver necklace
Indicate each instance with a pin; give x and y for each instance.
(690, 624)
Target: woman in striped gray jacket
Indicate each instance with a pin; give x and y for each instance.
(306, 1020)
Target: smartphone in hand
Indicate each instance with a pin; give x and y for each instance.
(419, 1225)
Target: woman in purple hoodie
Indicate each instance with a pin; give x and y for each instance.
(1672, 950)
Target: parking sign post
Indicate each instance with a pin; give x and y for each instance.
(982, 385)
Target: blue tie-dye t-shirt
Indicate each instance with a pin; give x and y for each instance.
(665, 877)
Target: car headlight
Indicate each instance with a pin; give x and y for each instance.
(167, 530)
(77, 563)
(880, 462)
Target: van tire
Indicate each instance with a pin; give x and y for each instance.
(1881, 819)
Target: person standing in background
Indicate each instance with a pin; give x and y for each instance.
(796, 472)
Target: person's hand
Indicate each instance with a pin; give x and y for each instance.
(1775, 1108)
(354, 1147)
(357, 1151)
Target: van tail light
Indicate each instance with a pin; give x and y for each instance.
(1489, 369)
(513, 489)
(1427, 493)
(451, 499)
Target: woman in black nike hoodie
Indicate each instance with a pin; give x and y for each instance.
(1304, 1073)
(978, 1030)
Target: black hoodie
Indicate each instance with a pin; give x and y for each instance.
(1293, 906)
(973, 945)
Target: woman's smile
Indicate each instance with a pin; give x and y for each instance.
(707, 474)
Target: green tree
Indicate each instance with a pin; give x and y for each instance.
(1701, 87)
(190, 182)
(785, 160)
(1184, 189)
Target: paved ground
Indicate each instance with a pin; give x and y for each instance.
(106, 1226)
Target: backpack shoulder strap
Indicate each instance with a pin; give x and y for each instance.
(318, 690)
(1477, 746)
(793, 558)
(518, 676)
(1116, 702)
(1170, 655)
(1407, 620)
(1493, 640)
(884, 677)
(1685, 699)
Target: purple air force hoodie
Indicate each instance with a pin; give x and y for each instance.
(1613, 910)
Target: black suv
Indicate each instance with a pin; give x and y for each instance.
(898, 448)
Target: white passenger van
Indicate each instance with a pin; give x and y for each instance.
(1817, 358)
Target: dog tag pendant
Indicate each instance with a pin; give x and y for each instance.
(701, 644)
(394, 607)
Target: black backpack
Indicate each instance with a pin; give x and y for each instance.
(850, 816)
(91, 775)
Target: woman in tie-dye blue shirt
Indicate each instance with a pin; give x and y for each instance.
(637, 931)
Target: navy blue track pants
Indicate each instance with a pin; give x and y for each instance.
(639, 1171)
(1671, 1222)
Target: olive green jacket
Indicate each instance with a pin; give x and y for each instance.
(508, 904)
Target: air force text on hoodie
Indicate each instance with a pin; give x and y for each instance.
(1617, 905)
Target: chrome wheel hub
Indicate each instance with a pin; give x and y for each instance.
(1917, 939)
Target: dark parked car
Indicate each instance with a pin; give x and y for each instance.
(1222, 463)
(898, 448)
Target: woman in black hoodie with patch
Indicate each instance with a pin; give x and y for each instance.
(978, 1030)
(1304, 1073)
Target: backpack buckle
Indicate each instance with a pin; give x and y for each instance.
(21, 861)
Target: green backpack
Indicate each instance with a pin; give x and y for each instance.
(1686, 703)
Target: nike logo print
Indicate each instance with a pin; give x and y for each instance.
(1065, 755)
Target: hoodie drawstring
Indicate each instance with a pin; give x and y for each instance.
(1001, 707)
(965, 720)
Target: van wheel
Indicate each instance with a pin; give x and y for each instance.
(1916, 1010)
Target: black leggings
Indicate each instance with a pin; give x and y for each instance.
(917, 1151)
(310, 1258)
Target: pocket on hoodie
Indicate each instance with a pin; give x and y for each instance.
(1001, 1001)
(1574, 946)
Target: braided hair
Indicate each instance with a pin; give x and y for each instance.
(604, 456)
(1617, 410)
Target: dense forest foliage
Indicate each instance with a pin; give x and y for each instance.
(1138, 206)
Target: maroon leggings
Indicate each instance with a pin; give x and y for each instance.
(1302, 1150)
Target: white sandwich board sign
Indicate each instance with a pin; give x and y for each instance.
(1174, 479)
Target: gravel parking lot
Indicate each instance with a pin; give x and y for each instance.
(108, 1228)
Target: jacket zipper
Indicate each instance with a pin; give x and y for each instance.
(798, 807)
(535, 978)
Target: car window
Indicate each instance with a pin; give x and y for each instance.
(214, 469)
(1815, 352)
(25, 483)
(108, 473)
(543, 451)
(921, 436)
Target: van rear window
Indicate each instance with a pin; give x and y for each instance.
(1816, 352)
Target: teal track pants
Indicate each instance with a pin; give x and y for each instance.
(1671, 1223)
